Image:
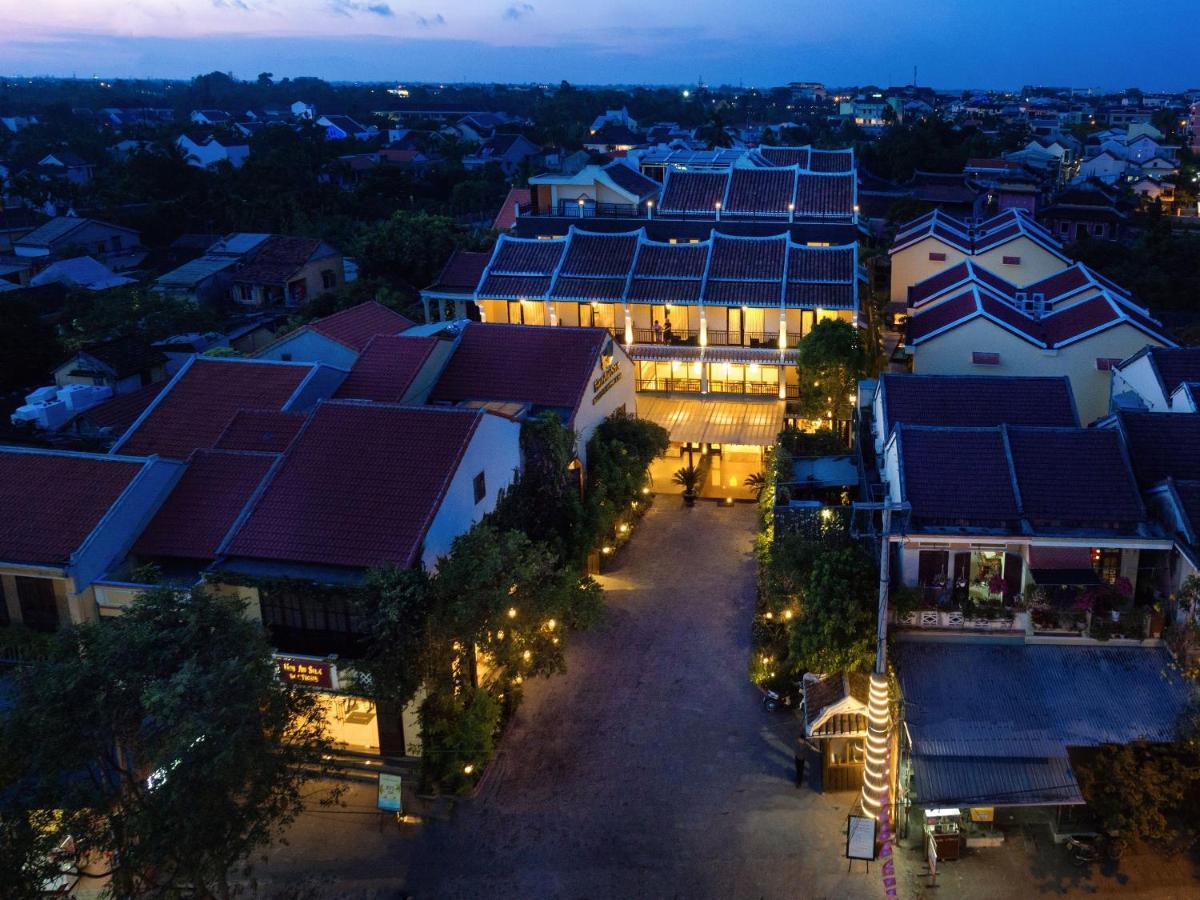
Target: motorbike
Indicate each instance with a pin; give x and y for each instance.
(780, 695)
(1089, 848)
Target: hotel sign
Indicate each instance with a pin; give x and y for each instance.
(306, 671)
(605, 383)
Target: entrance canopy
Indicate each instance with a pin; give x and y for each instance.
(753, 422)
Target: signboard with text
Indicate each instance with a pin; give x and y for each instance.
(860, 837)
(388, 798)
(308, 672)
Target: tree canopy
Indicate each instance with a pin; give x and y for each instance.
(832, 361)
(163, 741)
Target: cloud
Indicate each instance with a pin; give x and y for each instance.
(431, 21)
(352, 7)
(518, 11)
(241, 5)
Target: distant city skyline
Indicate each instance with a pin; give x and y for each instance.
(954, 43)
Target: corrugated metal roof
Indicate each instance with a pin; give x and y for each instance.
(975, 781)
(1017, 700)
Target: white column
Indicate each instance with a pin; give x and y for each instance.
(703, 377)
(551, 312)
(628, 326)
(425, 304)
(703, 328)
(782, 330)
(782, 378)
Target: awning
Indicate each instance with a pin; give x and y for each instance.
(1061, 565)
(753, 422)
(994, 781)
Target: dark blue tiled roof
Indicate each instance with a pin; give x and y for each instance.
(1162, 445)
(1047, 478)
(977, 401)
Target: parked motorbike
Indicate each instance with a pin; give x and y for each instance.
(1089, 848)
(780, 695)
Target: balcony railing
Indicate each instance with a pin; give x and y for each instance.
(678, 338)
(746, 388)
(683, 385)
(743, 338)
(571, 209)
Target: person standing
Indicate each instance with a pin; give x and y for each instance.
(668, 333)
(658, 332)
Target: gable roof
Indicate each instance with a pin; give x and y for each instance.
(1161, 445)
(1173, 366)
(121, 411)
(785, 193)
(971, 240)
(359, 487)
(354, 327)
(1013, 479)
(60, 228)
(386, 368)
(976, 400)
(461, 273)
(277, 259)
(125, 356)
(549, 367)
(192, 412)
(507, 216)
(204, 504)
(51, 501)
(630, 179)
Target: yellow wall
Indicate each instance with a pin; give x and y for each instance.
(912, 264)
(1036, 262)
(950, 354)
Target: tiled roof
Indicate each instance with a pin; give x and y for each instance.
(992, 233)
(194, 519)
(957, 475)
(50, 502)
(194, 410)
(1162, 445)
(1097, 487)
(759, 192)
(977, 400)
(631, 180)
(824, 194)
(122, 410)
(507, 217)
(692, 192)
(740, 270)
(1175, 365)
(543, 366)
(386, 368)
(277, 259)
(832, 161)
(355, 326)
(374, 506)
(991, 477)
(786, 156)
(260, 430)
(461, 273)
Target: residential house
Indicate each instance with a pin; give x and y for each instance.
(340, 128)
(206, 280)
(83, 272)
(613, 138)
(1090, 208)
(967, 320)
(614, 117)
(479, 127)
(204, 150)
(17, 123)
(16, 222)
(452, 295)
(506, 150)
(506, 218)
(66, 518)
(1011, 243)
(581, 374)
(122, 364)
(210, 117)
(70, 235)
(338, 339)
(288, 271)
(68, 165)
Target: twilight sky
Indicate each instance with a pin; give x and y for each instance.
(955, 43)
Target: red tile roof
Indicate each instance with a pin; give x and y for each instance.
(507, 217)
(360, 486)
(50, 502)
(261, 430)
(122, 411)
(355, 326)
(194, 520)
(542, 366)
(194, 412)
(278, 258)
(386, 368)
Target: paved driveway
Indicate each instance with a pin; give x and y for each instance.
(650, 769)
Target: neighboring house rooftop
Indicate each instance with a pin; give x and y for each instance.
(354, 327)
(987, 235)
(117, 414)
(977, 400)
(386, 368)
(545, 367)
(59, 229)
(1161, 445)
(991, 723)
(51, 501)
(82, 271)
(125, 356)
(1172, 365)
(1012, 479)
(261, 430)
(507, 216)
(462, 273)
(199, 512)
(359, 487)
(197, 270)
(198, 404)
(277, 259)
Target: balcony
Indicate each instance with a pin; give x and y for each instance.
(572, 209)
(676, 385)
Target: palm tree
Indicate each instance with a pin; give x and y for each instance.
(757, 482)
(688, 478)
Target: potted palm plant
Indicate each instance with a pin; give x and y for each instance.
(689, 479)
